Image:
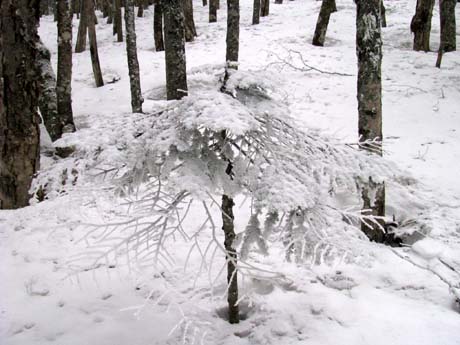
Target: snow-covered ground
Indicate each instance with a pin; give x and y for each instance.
(375, 297)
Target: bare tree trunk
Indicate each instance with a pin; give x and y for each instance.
(213, 5)
(369, 52)
(158, 26)
(117, 21)
(447, 16)
(327, 7)
(190, 29)
(383, 12)
(109, 11)
(82, 29)
(133, 64)
(265, 8)
(256, 12)
(93, 43)
(64, 69)
(421, 24)
(205, 2)
(278, 1)
(176, 74)
(19, 131)
(140, 10)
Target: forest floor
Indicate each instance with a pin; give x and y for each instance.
(383, 300)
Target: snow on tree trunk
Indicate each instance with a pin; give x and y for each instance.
(19, 131)
(213, 5)
(232, 274)
(133, 64)
(447, 16)
(256, 12)
(158, 26)
(176, 75)
(327, 8)
(369, 52)
(80, 46)
(421, 24)
(93, 43)
(64, 69)
(117, 21)
(190, 29)
(47, 101)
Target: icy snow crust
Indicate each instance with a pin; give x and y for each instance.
(346, 290)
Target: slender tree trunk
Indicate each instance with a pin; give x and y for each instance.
(265, 8)
(82, 29)
(140, 10)
(64, 69)
(117, 21)
(47, 101)
(213, 5)
(205, 2)
(383, 12)
(447, 16)
(19, 131)
(133, 64)
(158, 26)
(421, 24)
(93, 43)
(110, 12)
(190, 29)
(327, 7)
(176, 75)
(369, 52)
(256, 12)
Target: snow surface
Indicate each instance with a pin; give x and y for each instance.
(374, 295)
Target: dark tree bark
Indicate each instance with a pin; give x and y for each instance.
(80, 46)
(327, 7)
(117, 21)
(421, 24)
(176, 75)
(278, 1)
(133, 64)
(265, 8)
(19, 131)
(256, 12)
(213, 5)
(47, 101)
(140, 9)
(110, 12)
(205, 2)
(447, 16)
(158, 26)
(93, 43)
(369, 52)
(233, 33)
(190, 29)
(64, 70)
(383, 12)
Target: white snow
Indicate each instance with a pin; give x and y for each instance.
(350, 292)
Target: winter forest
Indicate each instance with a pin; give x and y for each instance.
(229, 172)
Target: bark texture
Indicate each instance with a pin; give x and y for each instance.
(133, 64)
(369, 52)
(327, 7)
(256, 12)
(158, 26)
(213, 6)
(232, 276)
(421, 24)
(176, 75)
(64, 70)
(447, 16)
(190, 29)
(93, 43)
(47, 101)
(19, 131)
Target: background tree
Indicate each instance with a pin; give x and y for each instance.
(90, 15)
(190, 29)
(421, 24)
(264, 8)
(158, 26)
(117, 20)
(133, 64)
(19, 131)
(256, 12)
(213, 6)
(176, 75)
(327, 7)
(447, 16)
(64, 68)
(369, 52)
(80, 45)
